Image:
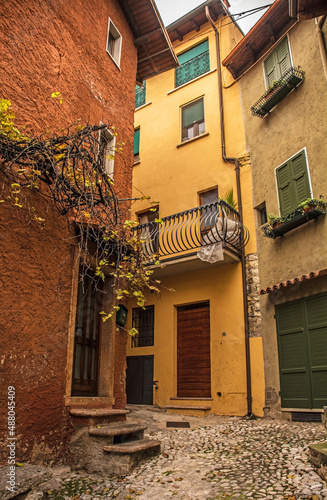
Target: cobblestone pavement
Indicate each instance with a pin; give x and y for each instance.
(217, 458)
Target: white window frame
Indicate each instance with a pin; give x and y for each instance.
(108, 150)
(181, 119)
(114, 37)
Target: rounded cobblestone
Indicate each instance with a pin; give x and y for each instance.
(224, 458)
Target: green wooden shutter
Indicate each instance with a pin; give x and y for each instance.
(302, 348)
(193, 113)
(285, 191)
(316, 314)
(293, 361)
(271, 70)
(278, 62)
(300, 177)
(193, 52)
(137, 142)
(283, 57)
(293, 183)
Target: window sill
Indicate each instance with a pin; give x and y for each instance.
(112, 58)
(136, 161)
(191, 81)
(143, 105)
(192, 140)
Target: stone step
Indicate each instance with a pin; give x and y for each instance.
(189, 410)
(93, 416)
(117, 429)
(187, 407)
(131, 447)
(96, 412)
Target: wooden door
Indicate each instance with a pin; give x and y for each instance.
(87, 333)
(302, 346)
(139, 380)
(193, 351)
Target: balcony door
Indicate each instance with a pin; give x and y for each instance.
(193, 351)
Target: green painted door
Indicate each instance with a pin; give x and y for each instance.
(302, 347)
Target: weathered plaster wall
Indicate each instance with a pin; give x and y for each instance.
(174, 176)
(50, 47)
(298, 121)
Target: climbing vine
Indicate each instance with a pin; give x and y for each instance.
(69, 168)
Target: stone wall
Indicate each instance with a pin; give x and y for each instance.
(252, 288)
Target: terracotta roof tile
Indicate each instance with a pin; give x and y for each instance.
(299, 279)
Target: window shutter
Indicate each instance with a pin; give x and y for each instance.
(136, 142)
(300, 178)
(193, 52)
(270, 65)
(193, 113)
(283, 56)
(284, 183)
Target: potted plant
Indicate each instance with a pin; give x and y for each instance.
(274, 221)
(311, 203)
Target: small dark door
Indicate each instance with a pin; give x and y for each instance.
(302, 346)
(139, 380)
(87, 332)
(193, 351)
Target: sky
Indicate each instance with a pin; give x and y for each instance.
(170, 10)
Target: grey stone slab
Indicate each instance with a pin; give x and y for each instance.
(23, 479)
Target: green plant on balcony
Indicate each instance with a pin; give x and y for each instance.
(311, 204)
(274, 220)
(309, 209)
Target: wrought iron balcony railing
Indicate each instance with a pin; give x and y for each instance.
(289, 81)
(192, 68)
(140, 95)
(194, 229)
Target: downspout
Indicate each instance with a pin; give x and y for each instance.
(239, 202)
(322, 47)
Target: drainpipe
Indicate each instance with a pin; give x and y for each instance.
(239, 203)
(322, 47)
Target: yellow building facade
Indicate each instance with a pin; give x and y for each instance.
(194, 353)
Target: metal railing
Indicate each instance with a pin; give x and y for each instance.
(194, 229)
(192, 68)
(140, 95)
(289, 81)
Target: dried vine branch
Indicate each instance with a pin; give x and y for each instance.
(69, 168)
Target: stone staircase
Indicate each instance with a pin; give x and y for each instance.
(106, 443)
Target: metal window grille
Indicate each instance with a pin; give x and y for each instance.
(143, 321)
(192, 68)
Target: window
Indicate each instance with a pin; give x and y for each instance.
(87, 333)
(149, 234)
(293, 182)
(114, 42)
(140, 92)
(194, 62)
(143, 321)
(277, 63)
(262, 213)
(193, 120)
(136, 145)
(107, 149)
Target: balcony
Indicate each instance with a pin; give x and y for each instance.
(289, 81)
(209, 233)
(294, 219)
(192, 68)
(140, 95)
